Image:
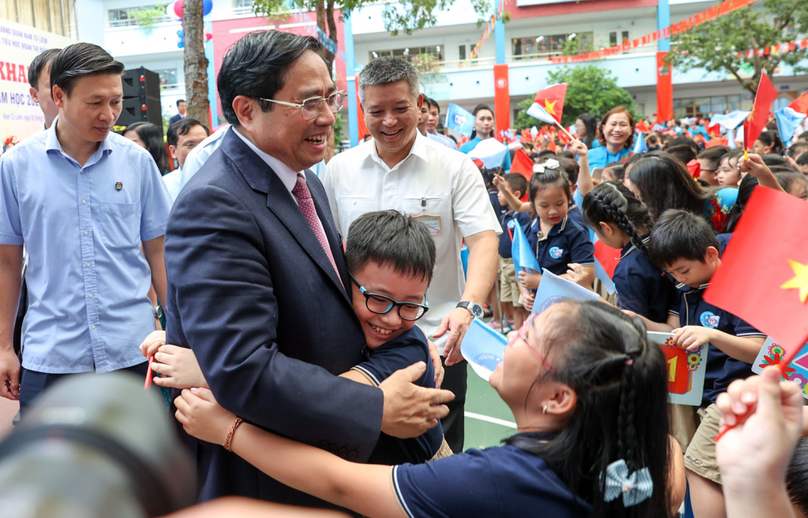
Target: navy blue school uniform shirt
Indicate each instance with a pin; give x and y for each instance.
(642, 287)
(722, 370)
(399, 353)
(506, 239)
(566, 243)
(495, 482)
(499, 209)
(576, 214)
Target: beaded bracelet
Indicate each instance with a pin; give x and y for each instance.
(229, 438)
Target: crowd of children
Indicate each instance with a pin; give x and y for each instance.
(586, 387)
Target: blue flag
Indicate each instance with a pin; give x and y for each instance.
(788, 120)
(459, 120)
(553, 289)
(730, 120)
(639, 145)
(731, 139)
(483, 348)
(523, 258)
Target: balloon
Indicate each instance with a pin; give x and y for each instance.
(170, 11)
(180, 33)
(208, 36)
(178, 8)
(207, 6)
(180, 44)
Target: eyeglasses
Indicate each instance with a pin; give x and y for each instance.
(311, 107)
(521, 335)
(382, 305)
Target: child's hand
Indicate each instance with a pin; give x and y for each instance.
(766, 414)
(180, 364)
(578, 147)
(692, 337)
(152, 342)
(529, 280)
(577, 274)
(753, 165)
(202, 417)
(527, 301)
(501, 184)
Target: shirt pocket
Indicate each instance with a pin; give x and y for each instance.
(351, 207)
(118, 224)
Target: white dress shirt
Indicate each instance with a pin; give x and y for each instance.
(433, 182)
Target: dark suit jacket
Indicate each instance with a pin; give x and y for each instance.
(174, 119)
(253, 293)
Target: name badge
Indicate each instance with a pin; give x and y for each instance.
(431, 222)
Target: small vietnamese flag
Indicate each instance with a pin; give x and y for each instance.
(551, 99)
(522, 164)
(753, 127)
(800, 104)
(768, 286)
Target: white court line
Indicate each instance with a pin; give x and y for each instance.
(488, 419)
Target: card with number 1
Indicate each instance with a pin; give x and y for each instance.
(685, 370)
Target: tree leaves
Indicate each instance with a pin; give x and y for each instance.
(590, 89)
(713, 46)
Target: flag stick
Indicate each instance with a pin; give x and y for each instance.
(563, 129)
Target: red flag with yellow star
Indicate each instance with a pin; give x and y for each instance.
(763, 277)
(754, 124)
(552, 100)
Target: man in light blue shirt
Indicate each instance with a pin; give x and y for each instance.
(432, 124)
(84, 201)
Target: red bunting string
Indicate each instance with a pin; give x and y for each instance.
(708, 15)
(780, 48)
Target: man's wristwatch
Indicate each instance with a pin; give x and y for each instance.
(158, 312)
(475, 309)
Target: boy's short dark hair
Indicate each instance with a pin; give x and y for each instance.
(683, 152)
(432, 103)
(803, 137)
(797, 476)
(680, 235)
(79, 60)
(388, 237)
(180, 128)
(802, 159)
(39, 64)
(516, 182)
(570, 167)
(797, 149)
(713, 155)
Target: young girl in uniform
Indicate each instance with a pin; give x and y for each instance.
(555, 239)
(623, 222)
(587, 391)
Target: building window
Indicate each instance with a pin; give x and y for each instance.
(612, 39)
(461, 53)
(168, 77)
(243, 3)
(544, 45)
(409, 53)
(126, 16)
(705, 106)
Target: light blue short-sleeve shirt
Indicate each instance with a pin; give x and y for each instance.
(82, 227)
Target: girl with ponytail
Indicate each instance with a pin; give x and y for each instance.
(623, 222)
(587, 391)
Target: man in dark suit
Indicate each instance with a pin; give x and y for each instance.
(183, 112)
(257, 276)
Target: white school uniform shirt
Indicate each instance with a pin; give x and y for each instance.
(432, 182)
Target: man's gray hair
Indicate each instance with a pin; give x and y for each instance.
(386, 70)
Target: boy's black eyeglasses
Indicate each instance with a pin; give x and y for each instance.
(381, 305)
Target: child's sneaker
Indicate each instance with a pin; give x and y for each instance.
(494, 325)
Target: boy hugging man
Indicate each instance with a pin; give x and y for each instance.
(391, 257)
(683, 244)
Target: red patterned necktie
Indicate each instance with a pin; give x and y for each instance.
(306, 204)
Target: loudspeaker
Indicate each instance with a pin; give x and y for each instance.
(140, 82)
(141, 98)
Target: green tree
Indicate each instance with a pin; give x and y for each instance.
(196, 64)
(589, 89)
(401, 16)
(714, 45)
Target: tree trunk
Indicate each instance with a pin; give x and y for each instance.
(196, 64)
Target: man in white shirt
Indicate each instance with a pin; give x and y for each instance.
(432, 124)
(403, 170)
